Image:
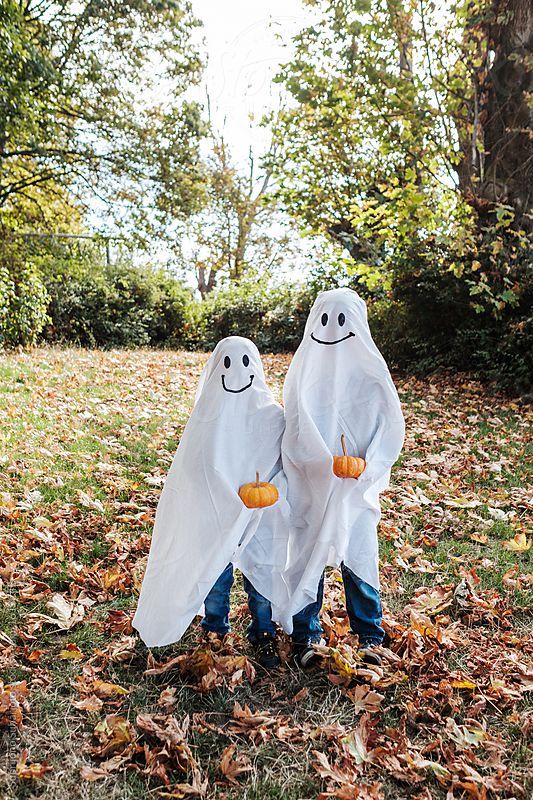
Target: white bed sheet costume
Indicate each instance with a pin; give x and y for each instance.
(201, 523)
(338, 383)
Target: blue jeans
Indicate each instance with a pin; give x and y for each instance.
(217, 608)
(363, 605)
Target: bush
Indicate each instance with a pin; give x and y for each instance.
(429, 323)
(119, 306)
(426, 323)
(23, 300)
(273, 317)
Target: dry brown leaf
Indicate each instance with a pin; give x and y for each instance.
(518, 544)
(105, 690)
(88, 773)
(232, 766)
(114, 733)
(89, 703)
(364, 698)
(167, 698)
(71, 651)
(31, 771)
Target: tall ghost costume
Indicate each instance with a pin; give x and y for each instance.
(201, 523)
(338, 383)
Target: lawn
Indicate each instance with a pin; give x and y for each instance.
(86, 711)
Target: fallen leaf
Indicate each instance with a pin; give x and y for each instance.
(88, 773)
(106, 690)
(89, 703)
(301, 695)
(356, 742)
(32, 771)
(67, 613)
(364, 698)
(167, 697)
(114, 733)
(519, 544)
(464, 736)
(71, 651)
(462, 683)
(232, 766)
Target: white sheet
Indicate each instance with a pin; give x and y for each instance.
(338, 382)
(201, 523)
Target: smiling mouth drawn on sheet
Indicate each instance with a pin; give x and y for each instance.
(237, 391)
(321, 341)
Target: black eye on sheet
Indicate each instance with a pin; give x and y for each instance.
(342, 319)
(227, 362)
(324, 319)
(245, 360)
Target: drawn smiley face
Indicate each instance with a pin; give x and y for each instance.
(227, 365)
(339, 322)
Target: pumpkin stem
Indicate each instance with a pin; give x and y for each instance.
(343, 444)
(257, 478)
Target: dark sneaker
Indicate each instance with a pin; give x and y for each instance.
(305, 653)
(212, 639)
(266, 651)
(369, 655)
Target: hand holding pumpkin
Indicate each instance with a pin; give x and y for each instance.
(258, 494)
(346, 466)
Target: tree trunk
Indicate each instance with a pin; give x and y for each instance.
(497, 163)
(207, 279)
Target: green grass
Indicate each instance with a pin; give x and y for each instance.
(64, 412)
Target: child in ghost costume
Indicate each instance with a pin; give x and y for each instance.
(338, 383)
(202, 527)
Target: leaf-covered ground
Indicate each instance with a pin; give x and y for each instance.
(87, 712)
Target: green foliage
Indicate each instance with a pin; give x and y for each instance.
(118, 306)
(398, 130)
(273, 317)
(23, 299)
(359, 143)
(28, 311)
(402, 142)
(77, 108)
(423, 323)
(428, 322)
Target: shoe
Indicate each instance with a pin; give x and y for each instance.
(266, 651)
(305, 653)
(369, 655)
(213, 639)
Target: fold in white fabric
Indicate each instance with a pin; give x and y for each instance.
(338, 383)
(201, 523)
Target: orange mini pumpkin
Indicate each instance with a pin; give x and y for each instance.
(258, 494)
(346, 466)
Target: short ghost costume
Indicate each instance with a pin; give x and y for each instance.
(338, 383)
(201, 522)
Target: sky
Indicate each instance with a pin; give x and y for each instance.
(244, 45)
(245, 42)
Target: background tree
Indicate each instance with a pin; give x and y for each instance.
(496, 164)
(91, 101)
(92, 118)
(420, 114)
(239, 229)
(406, 137)
(358, 137)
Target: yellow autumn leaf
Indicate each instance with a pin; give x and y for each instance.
(462, 683)
(105, 690)
(71, 651)
(519, 544)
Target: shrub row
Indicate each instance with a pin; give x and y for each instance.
(425, 323)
